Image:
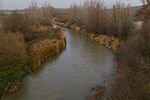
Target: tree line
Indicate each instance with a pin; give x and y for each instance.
(96, 18)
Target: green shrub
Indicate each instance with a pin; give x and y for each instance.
(10, 75)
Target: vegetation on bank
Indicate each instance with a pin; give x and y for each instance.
(133, 80)
(40, 50)
(14, 61)
(108, 27)
(26, 41)
(133, 69)
(133, 55)
(95, 18)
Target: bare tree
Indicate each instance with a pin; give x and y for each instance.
(145, 11)
(33, 12)
(46, 12)
(73, 13)
(97, 16)
(92, 16)
(40, 15)
(122, 21)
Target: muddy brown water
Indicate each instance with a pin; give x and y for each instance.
(72, 74)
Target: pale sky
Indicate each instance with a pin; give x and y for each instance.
(19, 4)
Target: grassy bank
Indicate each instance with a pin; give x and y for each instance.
(18, 58)
(26, 42)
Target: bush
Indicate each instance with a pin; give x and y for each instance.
(134, 67)
(13, 58)
(133, 82)
(10, 75)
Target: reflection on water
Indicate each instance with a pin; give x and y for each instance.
(71, 75)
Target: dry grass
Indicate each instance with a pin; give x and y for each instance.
(40, 50)
(108, 41)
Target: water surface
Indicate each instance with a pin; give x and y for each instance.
(71, 75)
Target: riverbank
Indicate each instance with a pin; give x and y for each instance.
(111, 42)
(69, 76)
(40, 50)
(36, 51)
(97, 93)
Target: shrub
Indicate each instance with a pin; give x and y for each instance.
(13, 58)
(10, 75)
(133, 81)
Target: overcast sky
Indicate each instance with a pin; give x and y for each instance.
(19, 4)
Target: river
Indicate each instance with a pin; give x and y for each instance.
(71, 75)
